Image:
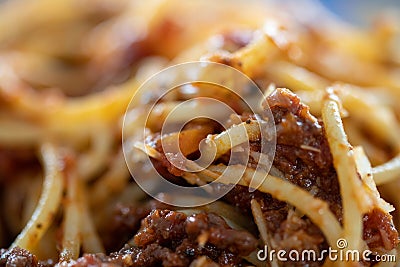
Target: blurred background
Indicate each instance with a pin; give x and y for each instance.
(360, 12)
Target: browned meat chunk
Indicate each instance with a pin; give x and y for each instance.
(18, 257)
(126, 222)
(170, 238)
(304, 158)
(195, 235)
(303, 155)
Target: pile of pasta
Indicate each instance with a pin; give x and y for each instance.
(68, 70)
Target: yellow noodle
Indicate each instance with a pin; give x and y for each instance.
(71, 239)
(91, 242)
(387, 172)
(262, 227)
(114, 180)
(49, 200)
(343, 160)
(317, 210)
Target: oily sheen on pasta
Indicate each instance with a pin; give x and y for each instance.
(68, 71)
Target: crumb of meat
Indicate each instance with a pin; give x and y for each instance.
(379, 231)
(19, 257)
(313, 170)
(285, 225)
(181, 234)
(125, 222)
(303, 156)
(172, 239)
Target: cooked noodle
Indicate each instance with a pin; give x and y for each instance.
(68, 71)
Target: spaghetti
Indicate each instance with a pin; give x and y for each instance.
(68, 71)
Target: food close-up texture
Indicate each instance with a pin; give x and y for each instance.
(304, 158)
